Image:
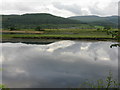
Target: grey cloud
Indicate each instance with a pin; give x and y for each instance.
(119, 8)
(94, 9)
(71, 8)
(57, 8)
(24, 7)
(110, 9)
(17, 6)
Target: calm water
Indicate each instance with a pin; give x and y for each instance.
(59, 64)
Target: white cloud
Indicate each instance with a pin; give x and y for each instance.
(64, 8)
(110, 8)
(73, 8)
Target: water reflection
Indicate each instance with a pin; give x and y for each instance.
(60, 64)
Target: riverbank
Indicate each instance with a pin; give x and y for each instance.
(50, 40)
(53, 37)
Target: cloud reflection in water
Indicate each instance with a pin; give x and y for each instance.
(60, 64)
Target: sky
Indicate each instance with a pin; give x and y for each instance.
(63, 8)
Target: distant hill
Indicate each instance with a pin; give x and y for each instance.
(33, 20)
(46, 20)
(96, 20)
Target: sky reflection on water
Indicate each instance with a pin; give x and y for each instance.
(59, 64)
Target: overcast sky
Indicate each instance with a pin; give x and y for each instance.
(64, 8)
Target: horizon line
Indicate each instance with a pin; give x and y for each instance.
(61, 16)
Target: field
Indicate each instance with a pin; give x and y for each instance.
(58, 34)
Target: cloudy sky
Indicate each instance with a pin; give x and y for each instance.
(64, 8)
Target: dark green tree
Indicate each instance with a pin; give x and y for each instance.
(107, 29)
(98, 29)
(39, 28)
(12, 28)
(116, 35)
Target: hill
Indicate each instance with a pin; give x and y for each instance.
(96, 20)
(33, 20)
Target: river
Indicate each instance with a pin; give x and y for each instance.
(61, 64)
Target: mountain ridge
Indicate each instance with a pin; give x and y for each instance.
(97, 20)
(35, 19)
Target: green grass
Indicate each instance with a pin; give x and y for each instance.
(2, 86)
(64, 33)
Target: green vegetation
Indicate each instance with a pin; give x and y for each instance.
(63, 34)
(33, 20)
(38, 28)
(107, 83)
(48, 21)
(12, 28)
(98, 21)
(54, 27)
(2, 86)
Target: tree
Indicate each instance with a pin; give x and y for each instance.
(116, 35)
(98, 29)
(12, 28)
(38, 28)
(107, 28)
